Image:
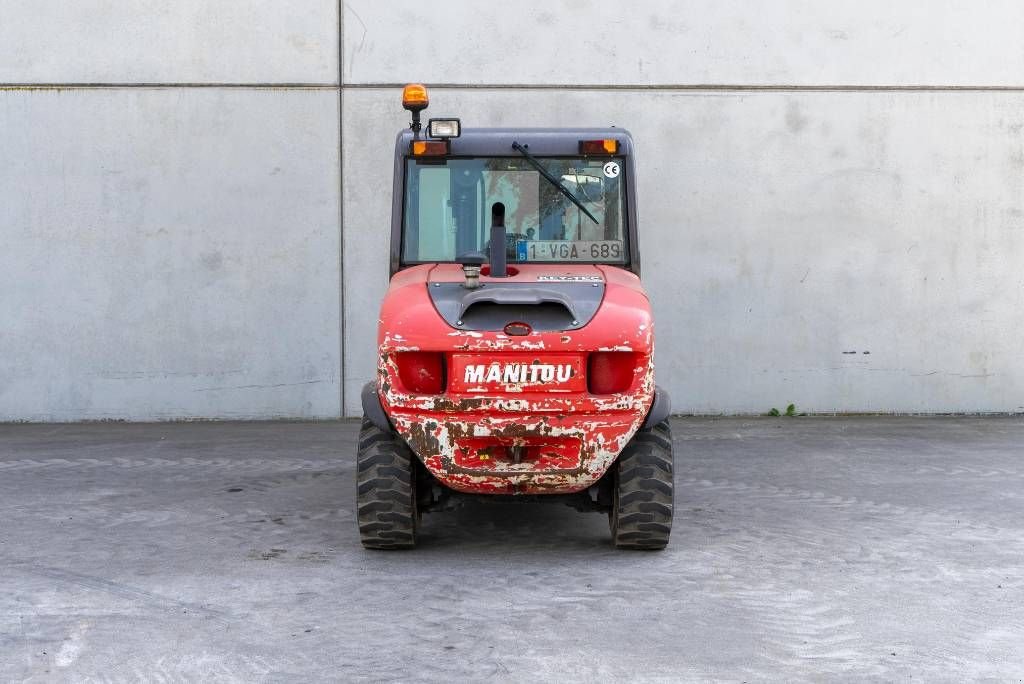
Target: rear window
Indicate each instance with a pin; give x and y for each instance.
(448, 209)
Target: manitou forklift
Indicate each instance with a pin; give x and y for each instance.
(515, 345)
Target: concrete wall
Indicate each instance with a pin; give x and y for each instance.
(169, 250)
(831, 193)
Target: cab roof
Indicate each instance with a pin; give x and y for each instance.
(540, 141)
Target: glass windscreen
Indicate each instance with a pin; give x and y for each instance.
(448, 209)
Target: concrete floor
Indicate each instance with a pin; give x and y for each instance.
(804, 549)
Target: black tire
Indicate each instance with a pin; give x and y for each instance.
(641, 513)
(385, 490)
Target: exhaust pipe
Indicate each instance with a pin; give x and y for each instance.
(497, 244)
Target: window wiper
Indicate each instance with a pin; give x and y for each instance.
(551, 179)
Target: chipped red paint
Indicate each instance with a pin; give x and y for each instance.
(516, 438)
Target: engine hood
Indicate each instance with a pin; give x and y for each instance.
(609, 304)
(545, 301)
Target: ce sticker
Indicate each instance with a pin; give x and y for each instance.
(611, 170)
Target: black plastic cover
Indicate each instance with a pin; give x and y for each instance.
(661, 408)
(492, 306)
(372, 408)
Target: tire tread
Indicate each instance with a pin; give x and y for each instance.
(641, 517)
(385, 490)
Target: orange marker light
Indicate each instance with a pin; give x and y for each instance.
(599, 146)
(414, 97)
(429, 148)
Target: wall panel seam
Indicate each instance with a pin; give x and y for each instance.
(709, 87)
(342, 411)
(693, 87)
(151, 86)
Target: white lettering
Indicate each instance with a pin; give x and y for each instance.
(513, 373)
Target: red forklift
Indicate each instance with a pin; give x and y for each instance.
(515, 343)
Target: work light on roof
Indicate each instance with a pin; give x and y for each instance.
(444, 128)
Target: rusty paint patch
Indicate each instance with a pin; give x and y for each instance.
(421, 438)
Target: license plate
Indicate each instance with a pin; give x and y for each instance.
(569, 250)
